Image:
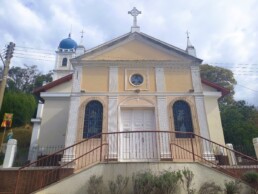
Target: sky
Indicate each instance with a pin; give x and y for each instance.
(224, 32)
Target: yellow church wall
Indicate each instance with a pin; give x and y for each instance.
(178, 81)
(214, 120)
(64, 87)
(54, 122)
(134, 50)
(95, 79)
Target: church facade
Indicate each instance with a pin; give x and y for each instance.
(134, 83)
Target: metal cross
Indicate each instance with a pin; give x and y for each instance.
(187, 33)
(82, 33)
(134, 12)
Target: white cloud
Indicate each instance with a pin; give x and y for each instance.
(221, 31)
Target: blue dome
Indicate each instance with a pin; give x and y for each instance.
(67, 43)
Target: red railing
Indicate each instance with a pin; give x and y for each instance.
(131, 146)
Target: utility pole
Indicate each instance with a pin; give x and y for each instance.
(8, 56)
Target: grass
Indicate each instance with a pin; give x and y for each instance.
(22, 135)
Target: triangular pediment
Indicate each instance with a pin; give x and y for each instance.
(136, 46)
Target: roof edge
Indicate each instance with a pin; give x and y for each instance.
(52, 84)
(223, 90)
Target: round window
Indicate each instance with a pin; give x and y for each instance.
(136, 79)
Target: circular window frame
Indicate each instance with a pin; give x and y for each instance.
(130, 79)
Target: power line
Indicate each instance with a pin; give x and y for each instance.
(17, 46)
(247, 88)
(34, 55)
(29, 58)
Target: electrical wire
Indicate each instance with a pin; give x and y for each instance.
(33, 58)
(246, 87)
(31, 48)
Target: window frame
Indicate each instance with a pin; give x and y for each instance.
(86, 134)
(188, 117)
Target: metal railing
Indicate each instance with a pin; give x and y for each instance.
(133, 146)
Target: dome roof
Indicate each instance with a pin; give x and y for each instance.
(67, 43)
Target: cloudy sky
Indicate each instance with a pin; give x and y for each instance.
(224, 32)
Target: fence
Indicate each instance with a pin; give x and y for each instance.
(130, 146)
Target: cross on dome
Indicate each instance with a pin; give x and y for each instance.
(81, 36)
(135, 12)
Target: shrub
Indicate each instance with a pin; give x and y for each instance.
(210, 188)
(167, 182)
(232, 187)
(187, 180)
(143, 183)
(95, 185)
(251, 177)
(118, 186)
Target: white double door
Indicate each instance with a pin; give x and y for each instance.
(137, 143)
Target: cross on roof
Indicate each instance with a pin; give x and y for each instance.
(134, 12)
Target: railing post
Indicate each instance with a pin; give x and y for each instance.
(192, 147)
(101, 144)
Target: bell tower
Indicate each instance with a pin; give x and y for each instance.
(65, 51)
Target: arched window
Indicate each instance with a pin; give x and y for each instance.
(64, 62)
(93, 119)
(182, 119)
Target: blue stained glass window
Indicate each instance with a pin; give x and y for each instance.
(182, 119)
(93, 119)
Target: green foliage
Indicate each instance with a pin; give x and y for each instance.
(1, 158)
(22, 105)
(187, 180)
(118, 186)
(95, 185)
(232, 187)
(239, 122)
(251, 177)
(26, 79)
(168, 182)
(221, 76)
(143, 183)
(210, 188)
(147, 183)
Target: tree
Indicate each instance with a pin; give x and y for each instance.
(22, 105)
(26, 79)
(221, 76)
(239, 123)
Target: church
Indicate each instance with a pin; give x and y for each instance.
(143, 91)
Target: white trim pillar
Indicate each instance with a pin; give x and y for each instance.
(35, 132)
(203, 125)
(113, 113)
(201, 112)
(163, 126)
(71, 132)
(112, 126)
(255, 142)
(196, 78)
(10, 153)
(160, 79)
